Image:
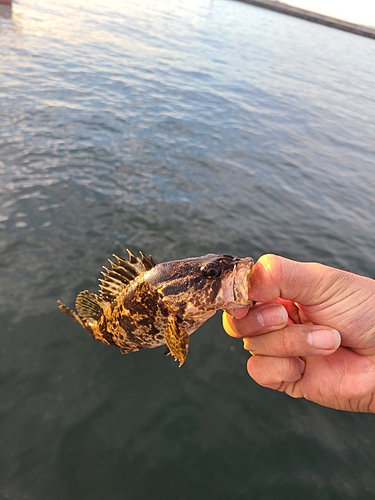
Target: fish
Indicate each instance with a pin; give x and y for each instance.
(142, 305)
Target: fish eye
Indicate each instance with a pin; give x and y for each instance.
(211, 270)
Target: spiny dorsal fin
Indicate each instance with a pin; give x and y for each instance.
(122, 273)
(88, 305)
(148, 262)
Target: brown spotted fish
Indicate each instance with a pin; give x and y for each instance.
(142, 305)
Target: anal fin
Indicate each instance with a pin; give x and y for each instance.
(177, 341)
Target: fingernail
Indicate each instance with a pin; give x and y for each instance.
(324, 339)
(247, 343)
(272, 315)
(238, 313)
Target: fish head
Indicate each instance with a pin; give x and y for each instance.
(196, 287)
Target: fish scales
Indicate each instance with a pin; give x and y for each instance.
(142, 305)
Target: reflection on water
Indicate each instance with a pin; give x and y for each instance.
(5, 11)
(176, 128)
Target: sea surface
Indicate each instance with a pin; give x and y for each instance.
(175, 128)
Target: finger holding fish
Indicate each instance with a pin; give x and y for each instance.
(259, 319)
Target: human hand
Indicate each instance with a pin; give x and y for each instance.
(311, 333)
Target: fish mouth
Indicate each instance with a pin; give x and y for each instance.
(235, 287)
(241, 281)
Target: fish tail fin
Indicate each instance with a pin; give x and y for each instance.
(64, 308)
(90, 315)
(88, 306)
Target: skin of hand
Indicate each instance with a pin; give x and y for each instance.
(311, 333)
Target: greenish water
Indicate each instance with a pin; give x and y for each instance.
(176, 128)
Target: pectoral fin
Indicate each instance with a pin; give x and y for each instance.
(177, 341)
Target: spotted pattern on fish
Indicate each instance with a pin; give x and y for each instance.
(143, 305)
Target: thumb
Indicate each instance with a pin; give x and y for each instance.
(305, 283)
(326, 296)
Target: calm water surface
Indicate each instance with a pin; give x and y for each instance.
(177, 128)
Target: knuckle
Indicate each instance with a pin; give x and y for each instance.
(287, 342)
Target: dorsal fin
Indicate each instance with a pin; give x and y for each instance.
(88, 305)
(122, 273)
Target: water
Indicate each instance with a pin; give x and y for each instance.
(177, 128)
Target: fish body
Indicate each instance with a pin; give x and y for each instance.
(142, 305)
